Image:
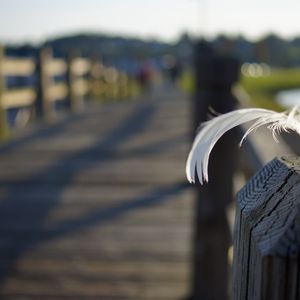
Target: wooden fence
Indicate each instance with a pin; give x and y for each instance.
(267, 232)
(84, 77)
(266, 263)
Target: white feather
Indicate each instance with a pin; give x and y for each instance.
(212, 130)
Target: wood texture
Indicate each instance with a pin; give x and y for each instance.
(3, 121)
(212, 235)
(18, 66)
(84, 78)
(96, 206)
(43, 106)
(81, 66)
(57, 91)
(55, 67)
(267, 234)
(18, 98)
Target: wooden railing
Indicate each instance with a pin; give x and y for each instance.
(267, 234)
(84, 77)
(267, 227)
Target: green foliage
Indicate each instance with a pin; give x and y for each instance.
(277, 81)
(187, 81)
(262, 90)
(4, 132)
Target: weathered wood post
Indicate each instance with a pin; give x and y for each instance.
(75, 72)
(94, 77)
(43, 105)
(267, 234)
(3, 121)
(215, 76)
(71, 78)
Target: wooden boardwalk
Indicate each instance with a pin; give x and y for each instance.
(96, 206)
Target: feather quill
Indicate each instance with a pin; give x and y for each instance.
(211, 131)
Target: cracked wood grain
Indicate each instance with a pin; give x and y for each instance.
(267, 234)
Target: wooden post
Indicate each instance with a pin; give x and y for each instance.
(44, 107)
(76, 101)
(70, 82)
(95, 78)
(215, 76)
(267, 234)
(3, 120)
(100, 82)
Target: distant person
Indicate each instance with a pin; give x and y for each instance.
(145, 76)
(175, 71)
(172, 67)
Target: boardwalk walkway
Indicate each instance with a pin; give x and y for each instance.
(96, 206)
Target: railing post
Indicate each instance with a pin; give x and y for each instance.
(94, 77)
(267, 234)
(44, 107)
(76, 101)
(70, 82)
(215, 76)
(3, 120)
(97, 80)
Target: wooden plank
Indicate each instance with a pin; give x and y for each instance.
(3, 117)
(176, 271)
(57, 91)
(95, 196)
(18, 98)
(80, 66)
(18, 66)
(91, 223)
(97, 175)
(80, 87)
(55, 67)
(100, 289)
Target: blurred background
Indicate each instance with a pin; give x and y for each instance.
(99, 102)
(130, 36)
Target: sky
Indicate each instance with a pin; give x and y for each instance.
(36, 20)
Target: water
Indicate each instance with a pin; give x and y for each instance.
(288, 98)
